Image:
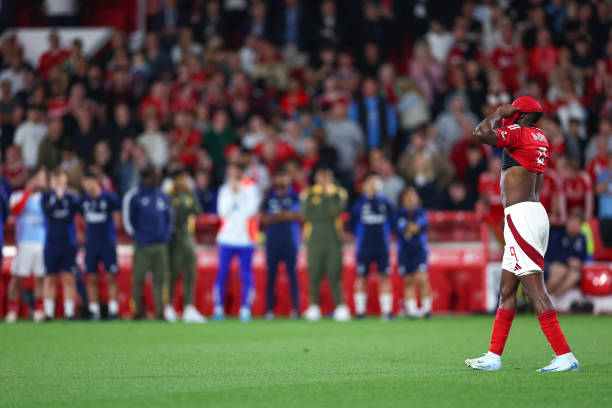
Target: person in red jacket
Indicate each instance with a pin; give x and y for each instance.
(274, 151)
(543, 58)
(294, 99)
(185, 139)
(53, 56)
(576, 186)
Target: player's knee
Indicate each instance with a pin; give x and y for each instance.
(409, 280)
(507, 293)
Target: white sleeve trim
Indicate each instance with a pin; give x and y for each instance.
(127, 223)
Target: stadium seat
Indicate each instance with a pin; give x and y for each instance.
(597, 279)
(601, 252)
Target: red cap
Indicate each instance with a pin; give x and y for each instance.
(527, 104)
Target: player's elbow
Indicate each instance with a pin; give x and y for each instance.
(484, 137)
(479, 135)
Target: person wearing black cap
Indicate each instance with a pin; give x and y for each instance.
(149, 219)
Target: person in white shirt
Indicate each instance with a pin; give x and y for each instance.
(30, 134)
(30, 235)
(237, 206)
(155, 143)
(15, 74)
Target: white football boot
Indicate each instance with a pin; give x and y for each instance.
(564, 362)
(488, 362)
(245, 314)
(38, 316)
(11, 317)
(191, 315)
(342, 313)
(170, 314)
(313, 313)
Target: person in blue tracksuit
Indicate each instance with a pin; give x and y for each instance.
(371, 220)
(60, 252)
(149, 219)
(410, 227)
(99, 207)
(238, 205)
(280, 213)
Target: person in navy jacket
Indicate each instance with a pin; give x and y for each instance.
(410, 227)
(371, 219)
(567, 251)
(148, 218)
(61, 246)
(280, 214)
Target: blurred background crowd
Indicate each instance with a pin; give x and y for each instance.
(394, 87)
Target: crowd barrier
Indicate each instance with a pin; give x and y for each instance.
(457, 277)
(457, 272)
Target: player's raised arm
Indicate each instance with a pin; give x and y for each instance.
(485, 131)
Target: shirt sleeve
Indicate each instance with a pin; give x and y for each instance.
(264, 205)
(391, 122)
(127, 212)
(507, 136)
(422, 221)
(114, 202)
(355, 216)
(224, 201)
(170, 215)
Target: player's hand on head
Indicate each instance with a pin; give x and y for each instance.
(507, 110)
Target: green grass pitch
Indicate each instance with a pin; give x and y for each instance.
(286, 363)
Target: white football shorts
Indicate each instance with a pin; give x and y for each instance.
(526, 231)
(30, 258)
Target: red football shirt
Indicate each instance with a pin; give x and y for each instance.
(527, 145)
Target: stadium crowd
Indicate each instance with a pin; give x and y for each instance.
(219, 92)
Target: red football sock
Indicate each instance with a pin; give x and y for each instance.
(13, 306)
(38, 304)
(552, 330)
(501, 328)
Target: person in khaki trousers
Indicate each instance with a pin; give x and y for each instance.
(321, 206)
(148, 218)
(183, 247)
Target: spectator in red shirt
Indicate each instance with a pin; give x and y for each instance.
(551, 197)
(505, 57)
(576, 186)
(543, 58)
(184, 139)
(55, 55)
(489, 190)
(599, 163)
(552, 128)
(14, 168)
(274, 151)
(294, 99)
(156, 102)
